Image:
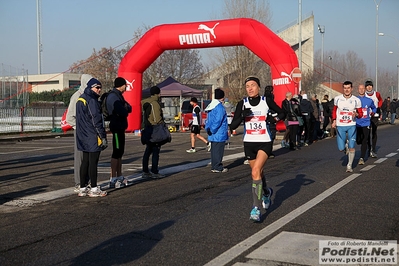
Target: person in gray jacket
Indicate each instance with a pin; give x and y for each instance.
(71, 119)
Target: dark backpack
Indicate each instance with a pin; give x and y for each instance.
(103, 102)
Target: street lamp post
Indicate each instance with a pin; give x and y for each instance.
(322, 30)
(383, 34)
(376, 44)
(331, 89)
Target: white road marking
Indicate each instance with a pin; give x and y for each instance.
(248, 243)
(391, 154)
(380, 160)
(36, 149)
(368, 167)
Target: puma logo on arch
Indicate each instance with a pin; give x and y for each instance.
(206, 28)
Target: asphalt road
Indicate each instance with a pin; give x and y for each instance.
(193, 216)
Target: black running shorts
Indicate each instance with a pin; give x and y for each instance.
(195, 129)
(251, 149)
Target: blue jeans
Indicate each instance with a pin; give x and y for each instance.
(217, 151)
(154, 150)
(393, 116)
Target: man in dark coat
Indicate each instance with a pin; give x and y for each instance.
(119, 110)
(91, 137)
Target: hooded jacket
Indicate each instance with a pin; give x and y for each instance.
(119, 110)
(216, 122)
(89, 122)
(71, 113)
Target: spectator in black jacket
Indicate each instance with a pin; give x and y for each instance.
(118, 109)
(291, 107)
(307, 115)
(326, 113)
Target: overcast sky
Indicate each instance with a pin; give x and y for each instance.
(72, 28)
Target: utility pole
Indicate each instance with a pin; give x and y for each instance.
(39, 38)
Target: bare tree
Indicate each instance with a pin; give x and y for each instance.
(343, 67)
(102, 65)
(182, 65)
(234, 64)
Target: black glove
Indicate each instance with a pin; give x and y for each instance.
(104, 143)
(208, 131)
(246, 112)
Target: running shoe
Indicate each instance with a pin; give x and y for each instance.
(266, 200)
(121, 182)
(157, 176)
(146, 175)
(112, 182)
(283, 144)
(373, 154)
(96, 192)
(191, 150)
(349, 168)
(83, 192)
(246, 162)
(361, 161)
(208, 147)
(255, 214)
(224, 170)
(76, 189)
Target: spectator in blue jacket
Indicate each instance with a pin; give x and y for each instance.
(363, 123)
(217, 128)
(119, 110)
(91, 137)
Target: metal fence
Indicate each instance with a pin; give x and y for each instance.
(30, 119)
(14, 87)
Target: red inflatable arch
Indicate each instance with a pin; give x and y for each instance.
(219, 33)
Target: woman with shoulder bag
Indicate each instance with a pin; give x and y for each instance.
(153, 123)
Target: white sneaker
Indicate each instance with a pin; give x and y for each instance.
(361, 161)
(83, 192)
(224, 170)
(121, 182)
(96, 192)
(191, 150)
(373, 154)
(76, 189)
(246, 162)
(349, 168)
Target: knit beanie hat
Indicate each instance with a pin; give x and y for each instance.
(155, 90)
(119, 82)
(368, 83)
(93, 83)
(252, 78)
(219, 94)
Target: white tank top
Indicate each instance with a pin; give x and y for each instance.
(375, 100)
(195, 119)
(345, 109)
(255, 129)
